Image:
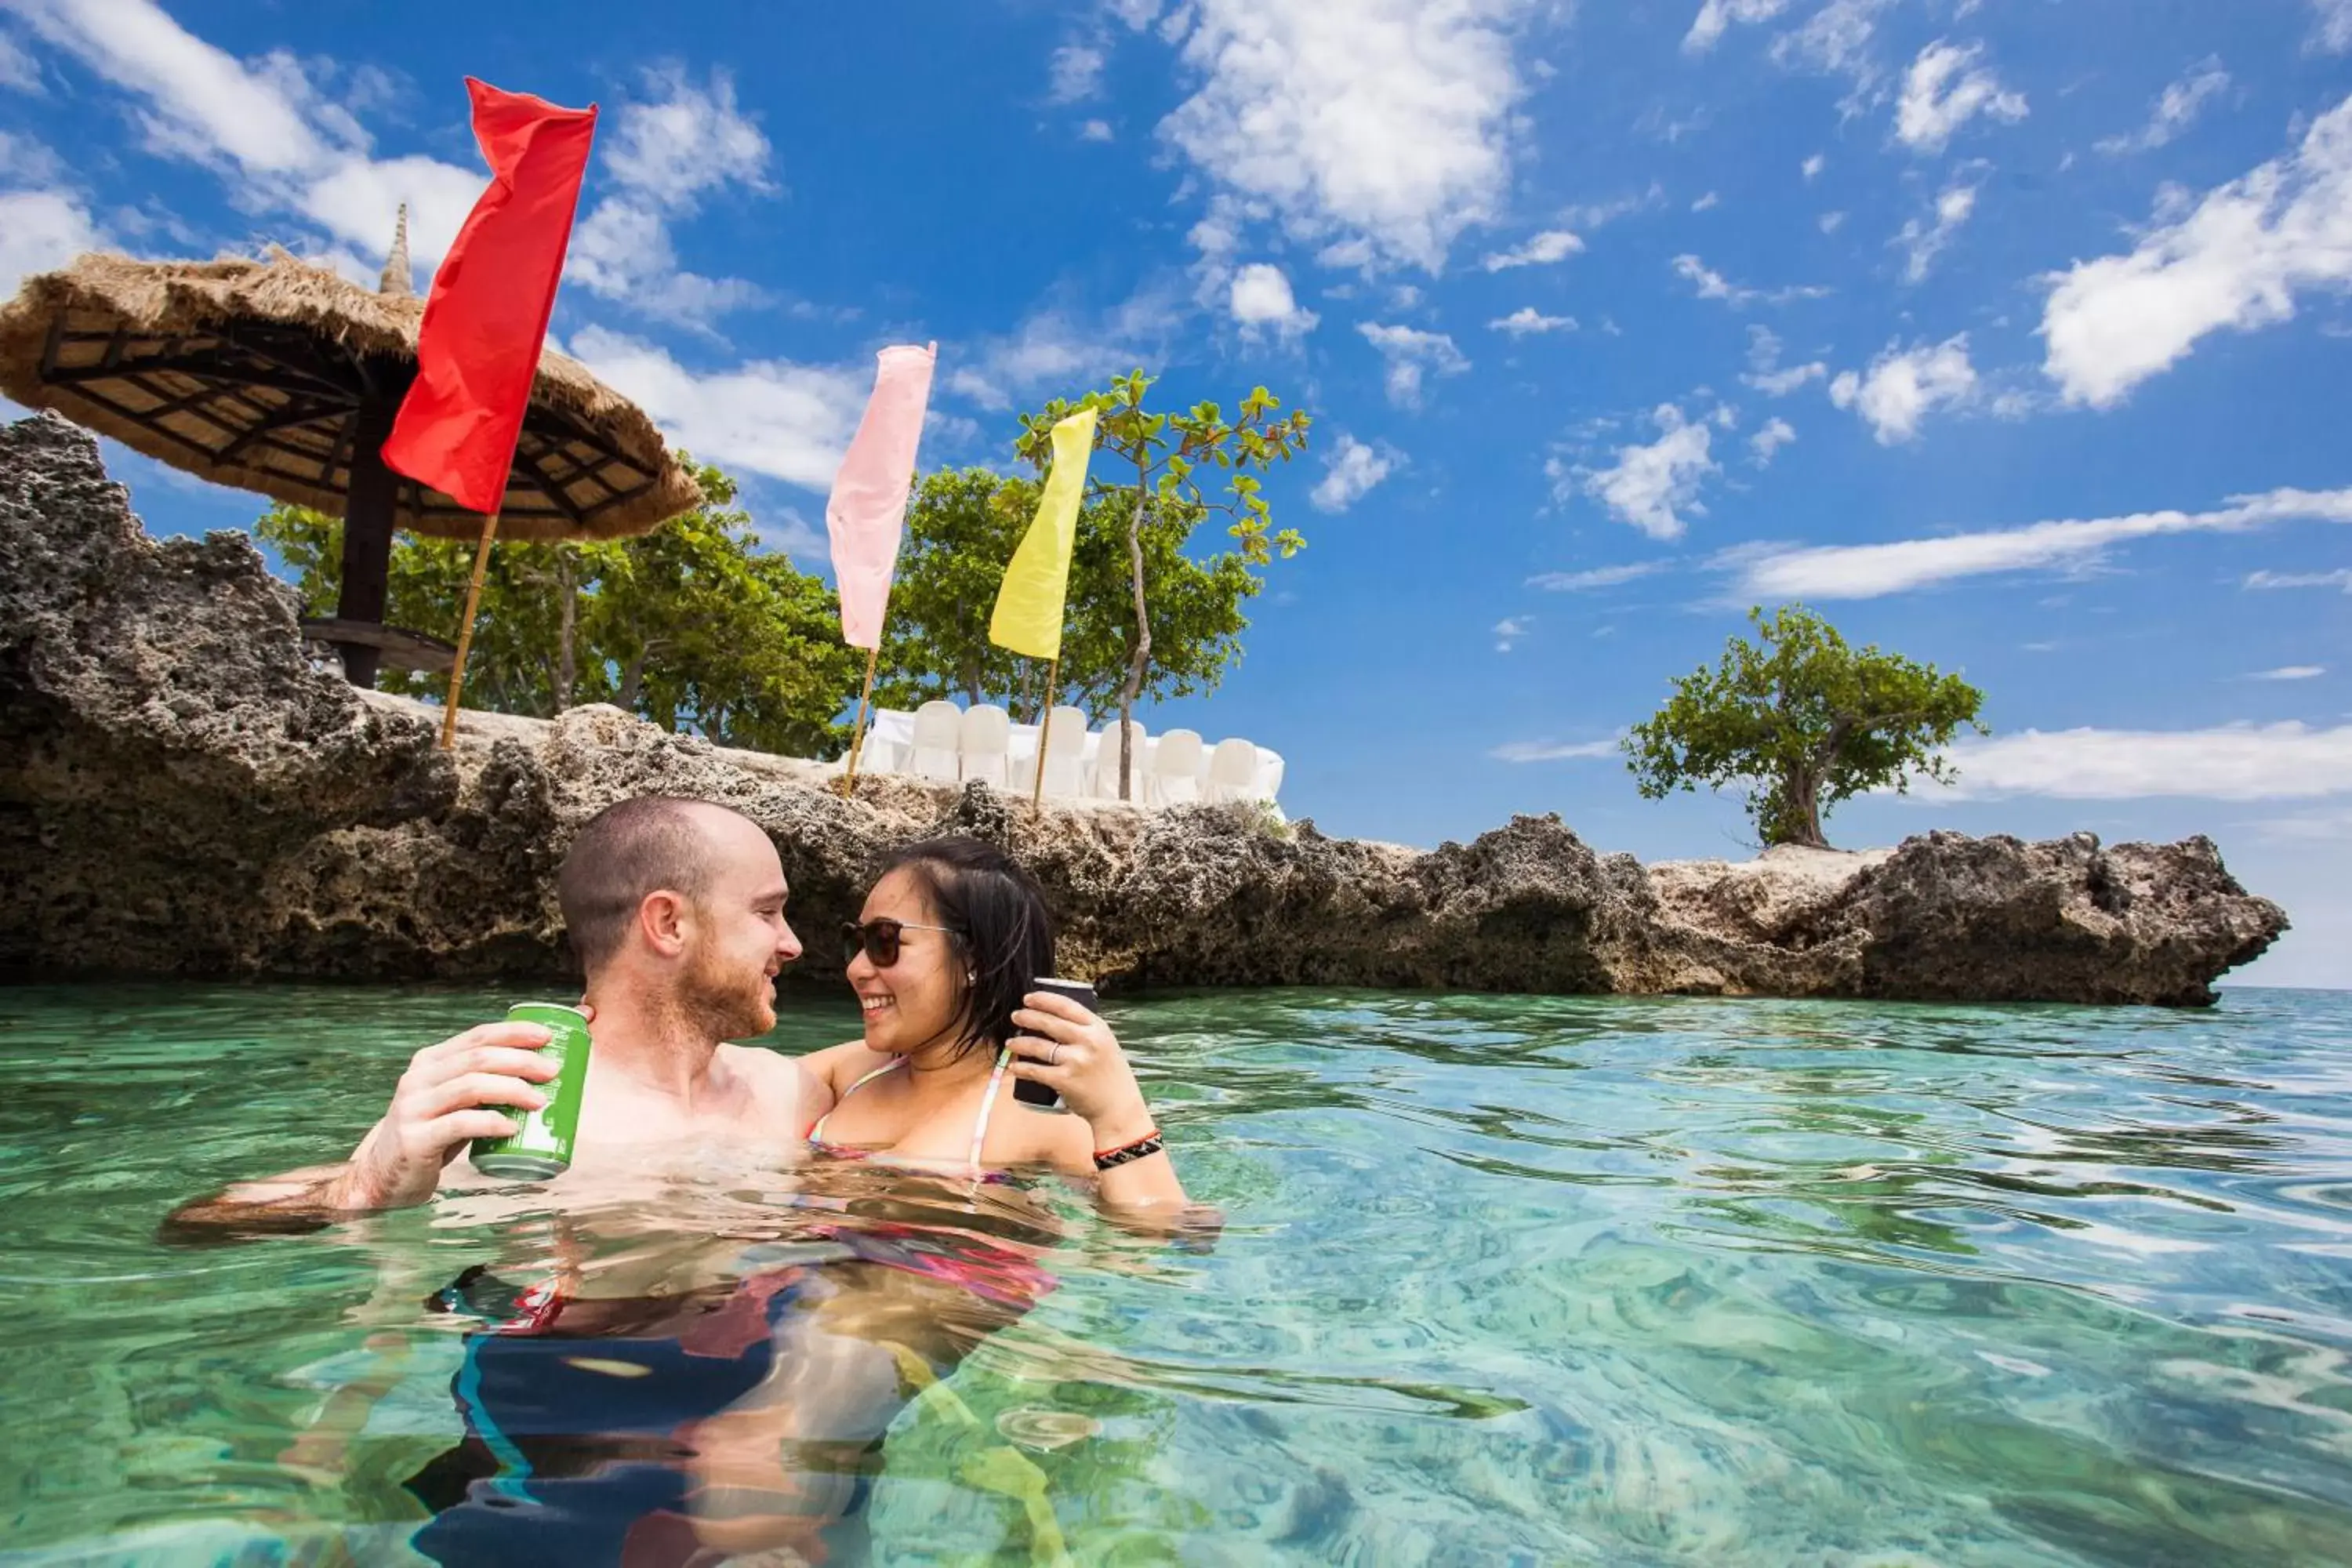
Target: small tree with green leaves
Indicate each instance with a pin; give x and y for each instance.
(1168, 453)
(1802, 721)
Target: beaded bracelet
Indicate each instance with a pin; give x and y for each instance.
(1150, 1143)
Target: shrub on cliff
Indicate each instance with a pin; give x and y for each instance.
(1802, 722)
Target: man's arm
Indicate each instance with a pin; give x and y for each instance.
(441, 1102)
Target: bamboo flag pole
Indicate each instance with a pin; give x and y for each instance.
(1045, 731)
(857, 735)
(466, 632)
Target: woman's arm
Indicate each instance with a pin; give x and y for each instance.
(1074, 1052)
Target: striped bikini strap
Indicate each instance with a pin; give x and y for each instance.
(817, 1131)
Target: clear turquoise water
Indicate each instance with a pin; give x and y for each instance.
(1503, 1280)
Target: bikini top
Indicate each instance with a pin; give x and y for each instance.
(978, 1126)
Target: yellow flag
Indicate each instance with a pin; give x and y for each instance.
(1028, 619)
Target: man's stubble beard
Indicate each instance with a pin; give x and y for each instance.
(725, 1001)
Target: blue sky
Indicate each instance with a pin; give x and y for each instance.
(2014, 334)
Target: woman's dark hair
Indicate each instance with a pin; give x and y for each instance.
(1001, 932)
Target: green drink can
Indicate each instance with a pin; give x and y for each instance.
(541, 1146)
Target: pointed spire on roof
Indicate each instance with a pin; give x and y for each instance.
(398, 281)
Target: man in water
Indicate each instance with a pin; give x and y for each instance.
(676, 910)
(629, 1398)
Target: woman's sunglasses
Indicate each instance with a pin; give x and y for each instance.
(878, 939)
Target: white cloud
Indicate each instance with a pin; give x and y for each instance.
(1552, 245)
(1714, 285)
(263, 126)
(1650, 487)
(1596, 577)
(1903, 385)
(1836, 39)
(1707, 203)
(2334, 34)
(1076, 72)
(2235, 261)
(1872, 571)
(1923, 243)
(2233, 761)
(1137, 14)
(1716, 16)
(1812, 167)
(1382, 124)
(1351, 471)
(1095, 130)
(25, 160)
(1944, 89)
(668, 150)
(1409, 351)
(1527, 318)
(1765, 373)
(1766, 443)
(790, 422)
(2291, 672)
(41, 231)
(2175, 109)
(16, 68)
(2339, 578)
(1261, 298)
(1511, 629)
(1830, 223)
(1599, 215)
(1547, 751)
(1058, 351)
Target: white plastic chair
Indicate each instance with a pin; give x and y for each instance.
(937, 725)
(1233, 770)
(1106, 763)
(1176, 771)
(1065, 751)
(985, 740)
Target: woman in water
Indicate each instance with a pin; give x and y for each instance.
(942, 958)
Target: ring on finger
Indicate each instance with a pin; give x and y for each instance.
(1053, 1053)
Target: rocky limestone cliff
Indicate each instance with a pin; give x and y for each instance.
(181, 794)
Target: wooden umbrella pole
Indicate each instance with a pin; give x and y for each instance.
(857, 734)
(466, 633)
(1045, 731)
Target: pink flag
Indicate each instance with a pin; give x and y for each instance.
(867, 512)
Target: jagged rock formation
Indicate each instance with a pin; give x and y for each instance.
(181, 794)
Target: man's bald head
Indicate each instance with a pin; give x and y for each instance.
(632, 848)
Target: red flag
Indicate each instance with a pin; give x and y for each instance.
(477, 350)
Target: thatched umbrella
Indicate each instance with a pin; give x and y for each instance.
(278, 376)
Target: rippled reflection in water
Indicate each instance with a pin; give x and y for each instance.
(1502, 1279)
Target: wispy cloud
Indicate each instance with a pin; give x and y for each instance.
(1873, 571)
(2291, 672)
(1922, 242)
(1766, 443)
(2175, 109)
(1552, 751)
(1542, 250)
(1765, 372)
(1510, 630)
(1716, 16)
(1075, 73)
(790, 422)
(1527, 318)
(1596, 577)
(2233, 761)
(1409, 351)
(2339, 578)
(1714, 285)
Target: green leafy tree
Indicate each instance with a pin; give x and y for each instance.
(690, 626)
(1169, 453)
(1803, 721)
(961, 532)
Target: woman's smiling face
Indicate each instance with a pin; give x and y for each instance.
(916, 1001)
